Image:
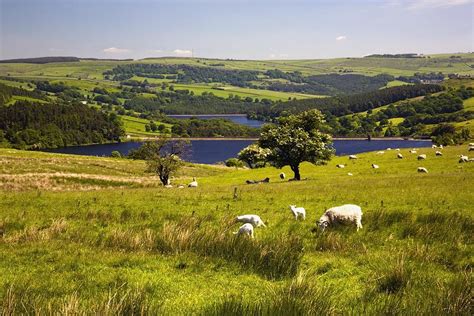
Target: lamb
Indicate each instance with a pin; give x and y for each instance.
(298, 211)
(193, 184)
(438, 153)
(413, 151)
(245, 229)
(352, 157)
(348, 212)
(399, 156)
(255, 220)
(434, 146)
(375, 166)
(282, 176)
(421, 157)
(422, 170)
(349, 174)
(463, 158)
(341, 166)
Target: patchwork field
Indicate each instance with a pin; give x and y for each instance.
(101, 236)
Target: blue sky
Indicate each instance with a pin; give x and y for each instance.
(243, 29)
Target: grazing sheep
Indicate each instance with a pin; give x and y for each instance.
(341, 166)
(397, 149)
(180, 186)
(282, 176)
(245, 229)
(381, 152)
(298, 211)
(255, 220)
(375, 166)
(434, 146)
(348, 212)
(349, 174)
(440, 146)
(389, 148)
(193, 184)
(413, 151)
(422, 170)
(471, 144)
(463, 158)
(471, 148)
(399, 156)
(421, 157)
(438, 153)
(352, 157)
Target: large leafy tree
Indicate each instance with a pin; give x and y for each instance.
(163, 157)
(297, 138)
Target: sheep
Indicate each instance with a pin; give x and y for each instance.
(397, 149)
(463, 158)
(434, 146)
(352, 157)
(422, 170)
(421, 157)
(298, 211)
(245, 229)
(348, 212)
(471, 144)
(381, 152)
(180, 186)
(255, 220)
(375, 166)
(388, 148)
(471, 148)
(399, 156)
(349, 174)
(440, 146)
(282, 176)
(341, 166)
(413, 151)
(193, 184)
(438, 153)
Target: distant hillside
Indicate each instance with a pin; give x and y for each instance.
(40, 60)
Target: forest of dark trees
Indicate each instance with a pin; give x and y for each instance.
(344, 105)
(41, 60)
(6, 92)
(33, 125)
(195, 127)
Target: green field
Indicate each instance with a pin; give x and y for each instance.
(100, 236)
(135, 127)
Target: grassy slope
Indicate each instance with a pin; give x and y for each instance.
(103, 239)
(136, 126)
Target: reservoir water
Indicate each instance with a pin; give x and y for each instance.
(236, 118)
(213, 151)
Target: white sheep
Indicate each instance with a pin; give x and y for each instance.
(349, 174)
(389, 148)
(344, 213)
(381, 152)
(471, 144)
(352, 157)
(282, 176)
(298, 211)
(422, 170)
(245, 229)
(471, 148)
(399, 156)
(413, 151)
(421, 157)
(341, 166)
(463, 158)
(397, 149)
(193, 184)
(255, 220)
(434, 146)
(438, 153)
(375, 166)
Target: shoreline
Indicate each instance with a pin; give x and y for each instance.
(254, 138)
(204, 115)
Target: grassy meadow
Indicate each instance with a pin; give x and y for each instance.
(99, 235)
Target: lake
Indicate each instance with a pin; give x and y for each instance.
(212, 151)
(236, 118)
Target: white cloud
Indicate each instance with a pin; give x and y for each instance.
(341, 38)
(183, 52)
(424, 4)
(115, 50)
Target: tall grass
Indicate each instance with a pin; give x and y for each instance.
(299, 297)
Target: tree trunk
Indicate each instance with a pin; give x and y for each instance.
(296, 170)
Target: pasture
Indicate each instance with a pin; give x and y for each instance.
(99, 235)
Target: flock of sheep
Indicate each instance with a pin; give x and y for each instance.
(463, 158)
(345, 213)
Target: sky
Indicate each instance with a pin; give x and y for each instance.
(239, 29)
